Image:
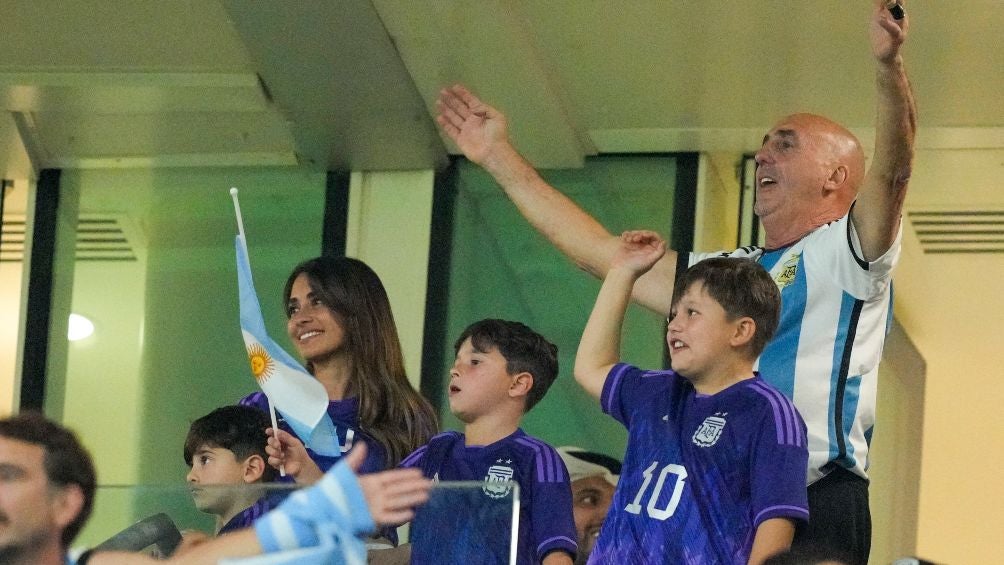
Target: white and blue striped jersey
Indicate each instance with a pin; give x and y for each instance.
(836, 309)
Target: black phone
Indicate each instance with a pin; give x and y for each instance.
(896, 10)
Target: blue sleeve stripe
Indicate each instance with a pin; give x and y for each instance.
(541, 474)
(788, 428)
(614, 378)
(255, 400)
(544, 474)
(560, 472)
(557, 542)
(793, 423)
(781, 511)
(552, 474)
(415, 458)
(549, 467)
(556, 469)
(781, 436)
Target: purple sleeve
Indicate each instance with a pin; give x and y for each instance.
(416, 458)
(255, 400)
(620, 392)
(779, 462)
(553, 523)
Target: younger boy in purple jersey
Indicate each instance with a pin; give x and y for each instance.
(225, 451)
(502, 370)
(715, 465)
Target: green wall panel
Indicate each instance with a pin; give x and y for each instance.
(501, 268)
(174, 311)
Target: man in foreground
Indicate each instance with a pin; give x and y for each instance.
(47, 487)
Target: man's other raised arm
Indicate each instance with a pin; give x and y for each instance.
(879, 206)
(481, 133)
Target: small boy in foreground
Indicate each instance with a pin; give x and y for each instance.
(714, 470)
(225, 450)
(502, 370)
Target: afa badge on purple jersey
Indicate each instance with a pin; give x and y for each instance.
(498, 481)
(710, 430)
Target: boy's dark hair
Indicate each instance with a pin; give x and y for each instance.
(743, 289)
(524, 350)
(240, 429)
(66, 461)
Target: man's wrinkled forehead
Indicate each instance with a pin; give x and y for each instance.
(781, 133)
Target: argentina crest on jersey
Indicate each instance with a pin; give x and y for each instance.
(789, 269)
(498, 481)
(710, 430)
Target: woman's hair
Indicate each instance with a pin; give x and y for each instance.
(391, 411)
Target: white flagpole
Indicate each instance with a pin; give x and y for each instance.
(271, 407)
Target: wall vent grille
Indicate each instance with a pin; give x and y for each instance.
(99, 238)
(959, 232)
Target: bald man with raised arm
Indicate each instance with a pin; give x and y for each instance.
(832, 240)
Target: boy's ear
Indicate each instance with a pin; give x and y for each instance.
(254, 469)
(521, 384)
(745, 329)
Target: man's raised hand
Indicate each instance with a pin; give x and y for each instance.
(474, 126)
(887, 33)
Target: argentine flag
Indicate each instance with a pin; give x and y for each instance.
(294, 392)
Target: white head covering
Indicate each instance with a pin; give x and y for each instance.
(581, 468)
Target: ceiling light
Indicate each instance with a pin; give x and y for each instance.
(79, 328)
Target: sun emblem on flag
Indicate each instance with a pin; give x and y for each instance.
(261, 363)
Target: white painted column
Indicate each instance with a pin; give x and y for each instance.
(389, 224)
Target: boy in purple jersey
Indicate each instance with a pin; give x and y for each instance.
(225, 450)
(715, 465)
(502, 370)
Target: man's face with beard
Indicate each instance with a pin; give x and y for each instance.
(591, 497)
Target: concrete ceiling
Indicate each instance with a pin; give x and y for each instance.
(350, 84)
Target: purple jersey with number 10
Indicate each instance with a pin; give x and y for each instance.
(700, 472)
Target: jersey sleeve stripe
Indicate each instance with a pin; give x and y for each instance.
(553, 471)
(789, 432)
(792, 420)
(541, 475)
(548, 464)
(556, 463)
(616, 374)
(780, 510)
(414, 458)
(781, 439)
(557, 542)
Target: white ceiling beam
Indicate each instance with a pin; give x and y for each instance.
(444, 43)
(334, 72)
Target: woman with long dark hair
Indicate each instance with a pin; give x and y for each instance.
(340, 321)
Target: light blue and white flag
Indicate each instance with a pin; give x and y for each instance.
(294, 392)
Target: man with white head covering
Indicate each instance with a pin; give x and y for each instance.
(593, 477)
